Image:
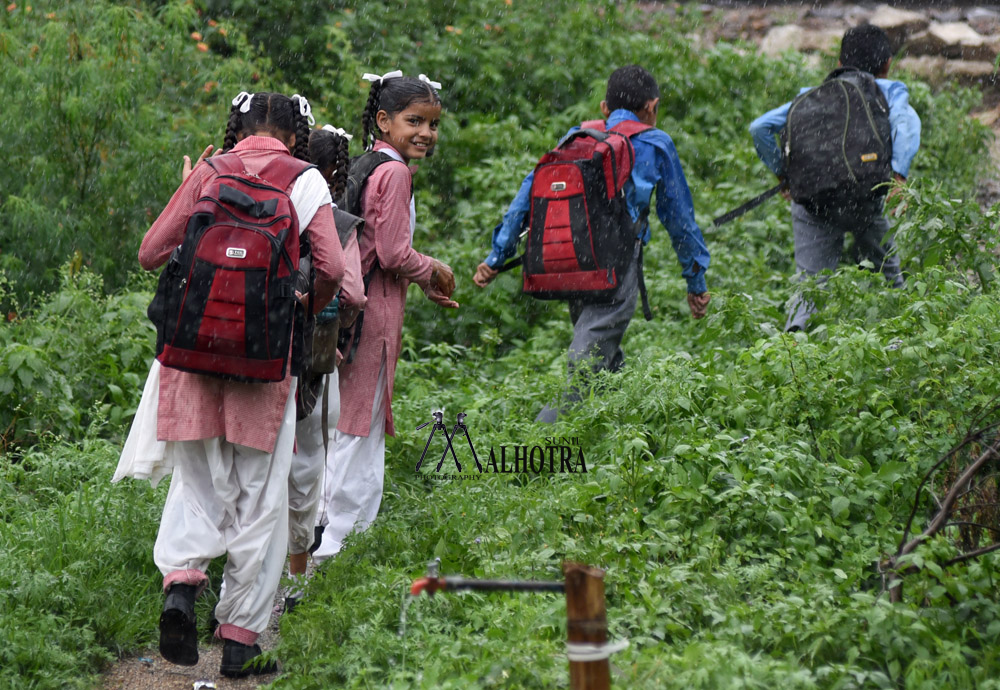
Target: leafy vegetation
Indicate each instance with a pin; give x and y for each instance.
(743, 484)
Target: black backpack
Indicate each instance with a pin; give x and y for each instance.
(837, 142)
(359, 170)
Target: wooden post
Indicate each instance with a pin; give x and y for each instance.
(586, 621)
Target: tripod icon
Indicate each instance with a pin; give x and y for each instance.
(438, 416)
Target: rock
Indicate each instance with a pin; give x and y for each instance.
(953, 40)
(898, 24)
(983, 21)
(937, 70)
(950, 14)
(793, 37)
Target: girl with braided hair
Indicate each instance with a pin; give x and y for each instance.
(400, 124)
(228, 444)
(328, 151)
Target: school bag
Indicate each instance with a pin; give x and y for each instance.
(837, 142)
(320, 357)
(580, 236)
(225, 303)
(359, 170)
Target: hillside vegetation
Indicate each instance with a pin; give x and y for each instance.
(742, 484)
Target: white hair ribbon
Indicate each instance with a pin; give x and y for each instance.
(305, 110)
(432, 84)
(243, 98)
(338, 131)
(374, 78)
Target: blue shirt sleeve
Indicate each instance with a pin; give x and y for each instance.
(764, 131)
(675, 210)
(506, 234)
(905, 125)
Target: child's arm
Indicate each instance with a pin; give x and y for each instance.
(167, 231)
(676, 211)
(765, 130)
(327, 256)
(387, 213)
(905, 126)
(506, 235)
(352, 290)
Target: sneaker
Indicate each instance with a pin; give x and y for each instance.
(178, 634)
(238, 661)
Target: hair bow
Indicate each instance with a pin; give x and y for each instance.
(432, 84)
(243, 100)
(338, 131)
(305, 110)
(374, 78)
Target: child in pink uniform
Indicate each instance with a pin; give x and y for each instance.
(228, 444)
(400, 120)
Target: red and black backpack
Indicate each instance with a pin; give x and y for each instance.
(225, 303)
(580, 234)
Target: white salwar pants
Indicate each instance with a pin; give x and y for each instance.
(355, 474)
(305, 480)
(233, 500)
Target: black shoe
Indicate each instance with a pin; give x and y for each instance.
(290, 604)
(178, 634)
(235, 658)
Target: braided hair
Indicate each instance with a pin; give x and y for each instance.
(273, 114)
(393, 96)
(328, 152)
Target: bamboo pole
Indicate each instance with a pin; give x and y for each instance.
(586, 621)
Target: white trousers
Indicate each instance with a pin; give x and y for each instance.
(355, 474)
(305, 480)
(232, 500)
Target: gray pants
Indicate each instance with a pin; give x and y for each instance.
(598, 330)
(819, 244)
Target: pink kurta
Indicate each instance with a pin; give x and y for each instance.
(192, 406)
(386, 210)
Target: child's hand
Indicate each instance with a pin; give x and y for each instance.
(187, 167)
(442, 278)
(439, 298)
(484, 275)
(698, 304)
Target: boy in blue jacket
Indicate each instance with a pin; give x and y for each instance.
(819, 232)
(598, 328)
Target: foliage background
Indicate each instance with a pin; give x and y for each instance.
(742, 485)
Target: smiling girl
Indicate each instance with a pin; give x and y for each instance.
(401, 123)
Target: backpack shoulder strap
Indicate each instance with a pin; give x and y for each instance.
(360, 169)
(281, 171)
(630, 128)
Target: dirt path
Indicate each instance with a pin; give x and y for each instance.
(148, 671)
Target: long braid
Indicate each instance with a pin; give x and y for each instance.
(232, 129)
(301, 150)
(339, 182)
(368, 117)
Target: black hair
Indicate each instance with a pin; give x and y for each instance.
(393, 96)
(865, 47)
(272, 113)
(328, 150)
(630, 87)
